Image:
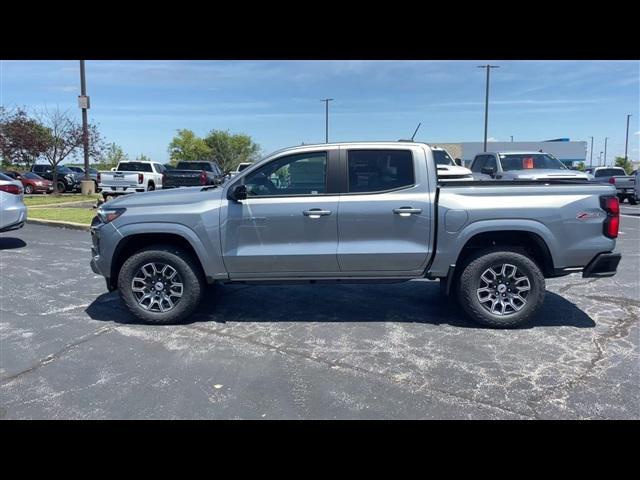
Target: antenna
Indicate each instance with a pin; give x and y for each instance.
(416, 131)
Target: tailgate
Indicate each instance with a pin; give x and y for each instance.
(119, 179)
(181, 178)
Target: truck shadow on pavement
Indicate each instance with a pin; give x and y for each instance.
(412, 302)
(10, 243)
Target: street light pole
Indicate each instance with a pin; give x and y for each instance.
(326, 115)
(591, 155)
(486, 103)
(605, 150)
(511, 138)
(600, 160)
(87, 185)
(626, 139)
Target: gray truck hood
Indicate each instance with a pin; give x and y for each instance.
(177, 196)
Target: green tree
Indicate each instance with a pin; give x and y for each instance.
(187, 146)
(624, 163)
(231, 149)
(112, 156)
(580, 166)
(142, 158)
(22, 139)
(65, 139)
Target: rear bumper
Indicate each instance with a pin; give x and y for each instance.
(603, 265)
(13, 226)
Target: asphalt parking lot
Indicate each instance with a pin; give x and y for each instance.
(69, 349)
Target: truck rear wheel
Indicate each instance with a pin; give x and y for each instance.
(501, 288)
(161, 284)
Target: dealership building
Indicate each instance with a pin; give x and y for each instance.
(568, 152)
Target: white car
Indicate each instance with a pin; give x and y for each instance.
(13, 212)
(447, 168)
(239, 168)
(131, 177)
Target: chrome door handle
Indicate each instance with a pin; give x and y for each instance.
(406, 211)
(316, 213)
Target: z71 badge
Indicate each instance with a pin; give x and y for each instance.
(586, 215)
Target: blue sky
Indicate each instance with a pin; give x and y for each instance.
(141, 104)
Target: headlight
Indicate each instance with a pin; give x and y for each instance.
(107, 214)
(70, 178)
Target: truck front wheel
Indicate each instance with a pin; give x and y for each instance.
(501, 288)
(161, 284)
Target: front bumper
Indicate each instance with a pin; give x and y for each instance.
(603, 265)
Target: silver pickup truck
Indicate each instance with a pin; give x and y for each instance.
(356, 212)
(616, 176)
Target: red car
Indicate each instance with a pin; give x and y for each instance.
(32, 182)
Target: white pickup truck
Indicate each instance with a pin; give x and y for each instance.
(131, 177)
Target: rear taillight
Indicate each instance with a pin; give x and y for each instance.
(98, 178)
(203, 178)
(140, 178)
(11, 188)
(611, 205)
(612, 180)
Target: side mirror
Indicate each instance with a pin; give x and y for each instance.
(114, 169)
(458, 162)
(488, 171)
(237, 193)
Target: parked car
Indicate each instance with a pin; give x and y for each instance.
(93, 175)
(371, 211)
(522, 166)
(447, 168)
(636, 187)
(31, 182)
(190, 174)
(241, 166)
(13, 212)
(67, 179)
(131, 177)
(616, 176)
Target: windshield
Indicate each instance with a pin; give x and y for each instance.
(610, 172)
(442, 158)
(64, 170)
(134, 167)
(530, 161)
(194, 166)
(31, 176)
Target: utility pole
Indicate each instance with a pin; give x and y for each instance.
(511, 138)
(591, 156)
(626, 140)
(600, 160)
(605, 150)
(326, 115)
(486, 103)
(87, 186)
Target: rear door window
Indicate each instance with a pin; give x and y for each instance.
(610, 172)
(379, 170)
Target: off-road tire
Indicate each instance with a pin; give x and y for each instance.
(186, 266)
(469, 280)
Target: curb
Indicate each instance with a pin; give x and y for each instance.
(61, 204)
(59, 224)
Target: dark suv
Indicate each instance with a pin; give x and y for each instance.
(68, 180)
